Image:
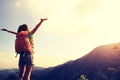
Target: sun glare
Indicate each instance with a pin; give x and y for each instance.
(17, 3)
(74, 27)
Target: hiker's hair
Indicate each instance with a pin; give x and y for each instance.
(23, 27)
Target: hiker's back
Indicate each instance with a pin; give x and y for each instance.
(22, 43)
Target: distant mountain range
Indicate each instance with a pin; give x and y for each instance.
(102, 63)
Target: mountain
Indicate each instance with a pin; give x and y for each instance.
(102, 63)
(7, 72)
(12, 74)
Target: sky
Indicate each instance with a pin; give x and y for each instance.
(73, 29)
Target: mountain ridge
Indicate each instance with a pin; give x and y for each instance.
(96, 65)
(102, 63)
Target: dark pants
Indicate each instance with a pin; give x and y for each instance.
(25, 65)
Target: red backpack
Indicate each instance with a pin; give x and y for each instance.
(22, 43)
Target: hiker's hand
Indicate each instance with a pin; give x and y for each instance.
(4, 29)
(43, 19)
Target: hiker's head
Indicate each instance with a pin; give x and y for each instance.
(23, 27)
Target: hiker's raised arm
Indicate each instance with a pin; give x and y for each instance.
(38, 25)
(8, 31)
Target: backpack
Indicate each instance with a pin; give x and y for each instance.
(23, 43)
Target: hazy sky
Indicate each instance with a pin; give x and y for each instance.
(73, 28)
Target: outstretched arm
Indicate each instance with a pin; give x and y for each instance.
(8, 31)
(38, 25)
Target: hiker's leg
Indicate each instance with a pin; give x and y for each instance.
(29, 66)
(22, 67)
(28, 72)
(21, 72)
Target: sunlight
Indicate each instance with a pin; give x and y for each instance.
(17, 3)
(8, 60)
(73, 27)
(90, 21)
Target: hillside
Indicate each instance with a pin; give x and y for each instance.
(102, 63)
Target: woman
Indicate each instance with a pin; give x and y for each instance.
(26, 57)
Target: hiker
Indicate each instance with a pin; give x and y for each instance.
(25, 49)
